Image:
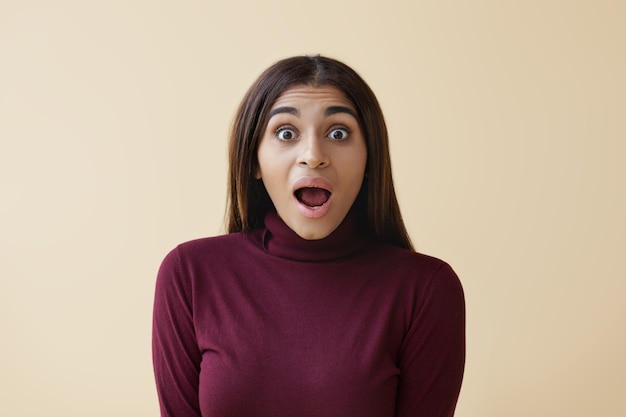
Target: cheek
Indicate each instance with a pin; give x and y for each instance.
(273, 163)
(272, 174)
(267, 169)
(263, 165)
(356, 163)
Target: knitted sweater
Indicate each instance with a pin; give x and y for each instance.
(269, 324)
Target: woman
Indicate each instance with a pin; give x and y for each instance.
(315, 303)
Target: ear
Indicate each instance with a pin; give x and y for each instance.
(257, 173)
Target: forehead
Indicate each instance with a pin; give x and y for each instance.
(307, 95)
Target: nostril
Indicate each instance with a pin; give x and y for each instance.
(313, 159)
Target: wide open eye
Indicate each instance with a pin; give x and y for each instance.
(285, 133)
(339, 134)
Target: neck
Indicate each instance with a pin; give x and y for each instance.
(279, 240)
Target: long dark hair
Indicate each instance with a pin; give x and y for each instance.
(248, 201)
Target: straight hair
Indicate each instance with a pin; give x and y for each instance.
(248, 200)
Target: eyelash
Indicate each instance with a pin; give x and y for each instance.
(285, 129)
(282, 129)
(345, 129)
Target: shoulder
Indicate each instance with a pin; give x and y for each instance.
(211, 245)
(424, 273)
(193, 254)
(433, 291)
(411, 260)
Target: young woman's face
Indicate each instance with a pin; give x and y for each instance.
(312, 159)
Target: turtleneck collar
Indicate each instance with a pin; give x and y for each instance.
(279, 240)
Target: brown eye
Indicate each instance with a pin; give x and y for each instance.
(285, 134)
(339, 134)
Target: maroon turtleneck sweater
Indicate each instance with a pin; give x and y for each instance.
(270, 324)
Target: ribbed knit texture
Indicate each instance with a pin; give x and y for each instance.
(270, 324)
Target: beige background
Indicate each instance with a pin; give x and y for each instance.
(508, 142)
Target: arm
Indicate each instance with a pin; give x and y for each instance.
(175, 354)
(432, 356)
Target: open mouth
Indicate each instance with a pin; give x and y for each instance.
(313, 197)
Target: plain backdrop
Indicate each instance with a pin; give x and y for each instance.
(508, 139)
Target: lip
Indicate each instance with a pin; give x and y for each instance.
(318, 182)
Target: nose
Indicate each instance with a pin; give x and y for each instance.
(313, 154)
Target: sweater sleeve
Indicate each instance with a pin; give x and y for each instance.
(175, 352)
(432, 356)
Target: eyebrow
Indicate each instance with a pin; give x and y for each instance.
(339, 109)
(290, 110)
(328, 112)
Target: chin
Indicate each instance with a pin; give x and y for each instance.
(311, 235)
(313, 232)
(310, 231)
